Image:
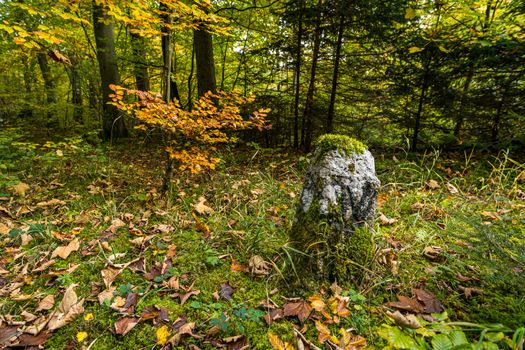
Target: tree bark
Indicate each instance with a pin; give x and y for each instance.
(335, 76)
(297, 77)
(309, 104)
(140, 68)
(76, 90)
(49, 82)
(205, 62)
(113, 125)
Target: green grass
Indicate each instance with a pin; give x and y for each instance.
(253, 194)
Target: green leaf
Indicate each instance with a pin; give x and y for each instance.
(494, 337)
(441, 342)
(458, 338)
(396, 338)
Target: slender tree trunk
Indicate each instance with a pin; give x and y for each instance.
(309, 104)
(205, 62)
(49, 84)
(142, 81)
(335, 76)
(190, 78)
(76, 89)
(113, 125)
(419, 113)
(297, 77)
(460, 117)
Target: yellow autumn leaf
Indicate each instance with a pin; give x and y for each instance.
(88, 317)
(316, 302)
(410, 13)
(162, 335)
(275, 341)
(415, 49)
(81, 336)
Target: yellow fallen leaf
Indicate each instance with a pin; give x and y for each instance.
(89, 317)
(162, 334)
(81, 336)
(64, 251)
(20, 189)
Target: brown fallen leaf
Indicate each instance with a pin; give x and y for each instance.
(470, 291)
(301, 309)
(273, 314)
(238, 267)
(406, 303)
(383, 220)
(430, 302)
(51, 203)
(259, 267)
(69, 308)
(109, 275)
(202, 208)
(491, 215)
(27, 341)
(46, 303)
(433, 184)
(64, 251)
(185, 297)
(185, 329)
(125, 324)
(452, 189)
(433, 252)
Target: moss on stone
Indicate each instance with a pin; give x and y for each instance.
(352, 255)
(342, 143)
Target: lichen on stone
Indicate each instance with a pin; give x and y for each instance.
(343, 143)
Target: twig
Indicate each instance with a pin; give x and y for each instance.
(309, 343)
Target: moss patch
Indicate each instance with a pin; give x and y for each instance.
(348, 145)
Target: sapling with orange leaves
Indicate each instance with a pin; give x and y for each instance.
(194, 135)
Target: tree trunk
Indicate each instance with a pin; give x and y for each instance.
(76, 90)
(205, 63)
(297, 77)
(170, 89)
(140, 68)
(49, 83)
(335, 76)
(113, 125)
(309, 104)
(462, 102)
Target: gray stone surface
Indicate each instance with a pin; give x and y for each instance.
(339, 195)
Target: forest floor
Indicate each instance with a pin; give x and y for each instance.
(94, 257)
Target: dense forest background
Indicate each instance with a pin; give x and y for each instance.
(410, 74)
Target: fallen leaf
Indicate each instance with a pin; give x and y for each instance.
(51, 203)
(106, 295)
(125, 324)
(491, 215)
(433, 184)
(259, 267)
(109, 275)
(226, 291)
(186, 296)
(408, 321)
(452, 189)
(272, 315)
(21, 188)
(64, 251)
(386, 221)
(301, 309)
(46, 303)
(202, 208)
(431, 303)
(324, 332)
(316, 302)
(433, 252)
(406, 303)
(68, 309)
(238, 267)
